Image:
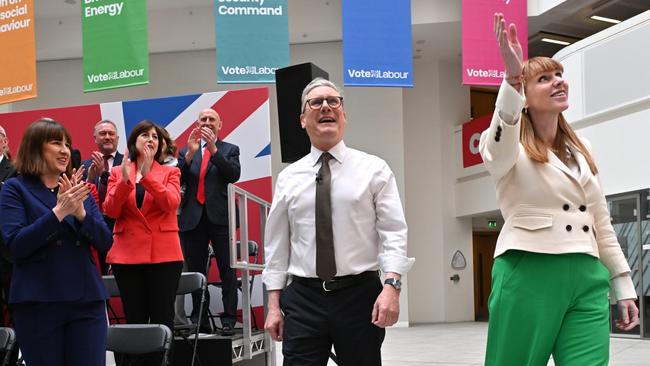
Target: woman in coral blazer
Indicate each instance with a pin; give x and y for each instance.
(557, 252)
(146, 256)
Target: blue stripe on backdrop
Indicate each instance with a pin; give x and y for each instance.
(377, 48)
(160, 110)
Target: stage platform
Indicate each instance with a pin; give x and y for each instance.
(217, 350)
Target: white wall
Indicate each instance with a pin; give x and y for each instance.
(537, 7)
(432, 110)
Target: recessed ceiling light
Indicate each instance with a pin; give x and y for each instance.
(70, 2)
(556, 41)
(604, 19)
(417, 57)
(420, 41)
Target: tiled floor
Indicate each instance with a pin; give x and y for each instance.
(463, 344)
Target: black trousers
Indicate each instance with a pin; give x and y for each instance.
(195, 248)
(314, 320)
(148, 291)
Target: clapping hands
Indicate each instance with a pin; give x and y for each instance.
(71, 196)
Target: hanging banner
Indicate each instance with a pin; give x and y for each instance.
(377, 39)
(482, 64)
(252, 40)
(115, 44)
(18, 55)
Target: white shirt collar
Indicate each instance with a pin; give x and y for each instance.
(338, 152)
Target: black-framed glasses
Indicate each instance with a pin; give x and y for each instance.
(333, 102)
(207, 118)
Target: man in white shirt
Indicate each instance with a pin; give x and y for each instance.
(336, 220)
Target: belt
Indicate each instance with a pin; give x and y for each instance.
(337, 283)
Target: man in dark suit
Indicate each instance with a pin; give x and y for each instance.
(98, 167)
(207, 166)
(7, 171)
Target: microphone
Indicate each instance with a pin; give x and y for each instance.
(319, 178)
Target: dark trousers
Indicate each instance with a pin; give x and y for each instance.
(195, 247)
(62, 333)
(314, 320)
(148, 291)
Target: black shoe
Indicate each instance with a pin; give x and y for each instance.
(227, 330)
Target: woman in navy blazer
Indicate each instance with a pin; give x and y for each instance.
(49, 222)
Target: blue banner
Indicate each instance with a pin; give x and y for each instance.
(252, 40)
(377, 47)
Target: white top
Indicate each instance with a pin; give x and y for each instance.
(2, 156)
(549, 208)
(367, 218)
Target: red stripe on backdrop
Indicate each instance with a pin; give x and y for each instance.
(79, 122)
(233, 108)
(236, 106)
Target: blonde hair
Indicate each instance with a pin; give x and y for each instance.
(536, 149)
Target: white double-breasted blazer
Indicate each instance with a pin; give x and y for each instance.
(547, 207)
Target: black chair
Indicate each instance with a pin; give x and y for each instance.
(188, 283)
(140, 339)
(253, 251)
(7, 341)
(113, 291)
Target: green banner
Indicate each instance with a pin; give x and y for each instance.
(115, 44)
(252, 40)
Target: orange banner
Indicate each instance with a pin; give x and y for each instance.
(18, 58)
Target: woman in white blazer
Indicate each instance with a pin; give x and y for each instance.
(557, 253)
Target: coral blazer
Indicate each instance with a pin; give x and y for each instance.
(148, 234)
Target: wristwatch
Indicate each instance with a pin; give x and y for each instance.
(394, 282)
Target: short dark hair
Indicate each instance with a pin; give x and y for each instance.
(143, 126)
(29, 159)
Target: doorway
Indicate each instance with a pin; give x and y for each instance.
(631, 222)
(484, 245)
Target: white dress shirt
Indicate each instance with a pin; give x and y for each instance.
(367, 218)
(111, 159)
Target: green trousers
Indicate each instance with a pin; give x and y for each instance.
(543, 304)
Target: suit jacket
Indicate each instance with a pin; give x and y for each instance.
(547, 209)
(223, 168)
(86, 164)
(149, 234)
(7, 170)
(52, 259)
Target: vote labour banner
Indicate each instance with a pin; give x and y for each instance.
(18, 55)
(115, 44)
(377, 41)
(482, 64)
(471, 136)
(252, 40)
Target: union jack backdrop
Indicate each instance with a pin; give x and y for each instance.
(246, 123)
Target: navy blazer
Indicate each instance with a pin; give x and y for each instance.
(86, 164)
(52, 259)
(223, 168)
